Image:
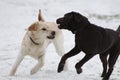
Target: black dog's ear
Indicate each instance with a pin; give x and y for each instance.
(79, 18)
(69, 16)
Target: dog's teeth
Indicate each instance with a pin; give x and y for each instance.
(58, 24)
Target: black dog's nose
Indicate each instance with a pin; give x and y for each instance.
(57, 21)
(53, 32)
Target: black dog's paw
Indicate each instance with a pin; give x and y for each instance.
(105, 78)
(103, 74)
(78, 69)
(60, 67)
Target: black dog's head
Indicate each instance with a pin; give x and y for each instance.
(72, 21)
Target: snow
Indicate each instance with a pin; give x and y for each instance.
(17, 15)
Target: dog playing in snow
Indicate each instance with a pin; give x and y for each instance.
(37, 38)
(92, 40)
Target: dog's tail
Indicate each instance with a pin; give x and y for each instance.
(40, 17)
(118, 30)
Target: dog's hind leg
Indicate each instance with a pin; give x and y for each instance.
(39, 65)
(82, 62)
(103, 58)
(112, 60)
(15, 66)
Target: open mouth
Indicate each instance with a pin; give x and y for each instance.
(50, 37)
(59, 26)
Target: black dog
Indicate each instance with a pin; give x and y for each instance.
(92, 40)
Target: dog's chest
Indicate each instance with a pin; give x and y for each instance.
(36, 51)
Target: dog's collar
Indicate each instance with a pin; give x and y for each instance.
(34, 41)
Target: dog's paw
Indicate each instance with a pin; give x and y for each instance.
(78, 69)
(103, 74)
(33, 71)
(105, 78)
(11, 74)
(60, 67)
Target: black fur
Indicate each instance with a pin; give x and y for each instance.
(92, 40)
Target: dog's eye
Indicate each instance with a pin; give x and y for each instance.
(43, 29)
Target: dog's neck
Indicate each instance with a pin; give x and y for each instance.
(80, 28)
(34, 41)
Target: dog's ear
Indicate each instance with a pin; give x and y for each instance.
(33, 27)
(69, 16)
(80, 18)
(40, 18)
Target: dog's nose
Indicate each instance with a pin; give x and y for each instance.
(53, 32)
(57, 21)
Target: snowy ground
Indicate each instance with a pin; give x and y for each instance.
(17, 15)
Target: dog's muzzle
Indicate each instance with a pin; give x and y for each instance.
(52, 35)
(59, 21)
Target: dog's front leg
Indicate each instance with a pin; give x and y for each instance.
(15, 66)
(38, 65)
(73, 52)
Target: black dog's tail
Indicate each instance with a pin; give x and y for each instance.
(118, 30)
